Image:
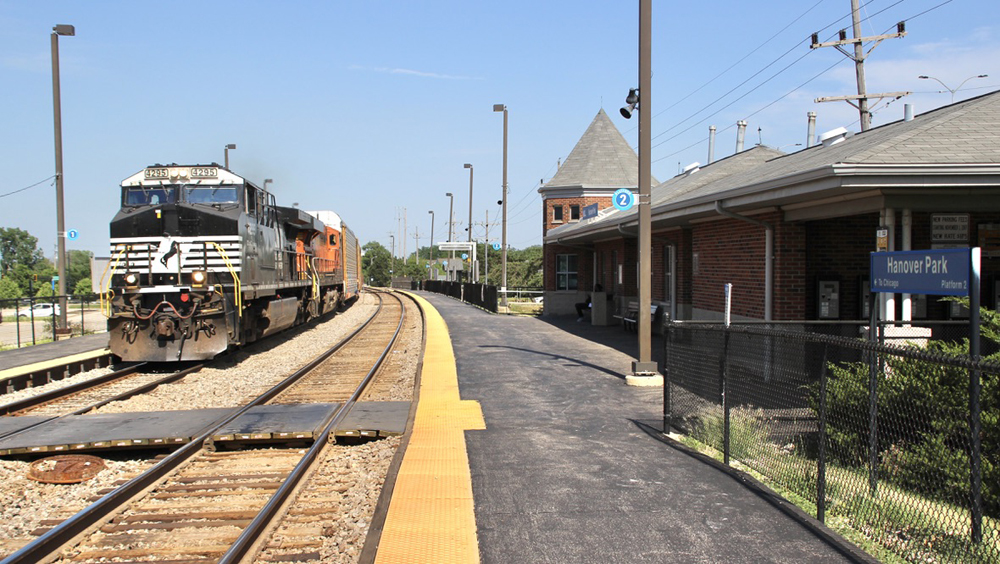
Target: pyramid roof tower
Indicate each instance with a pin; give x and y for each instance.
(601, 159)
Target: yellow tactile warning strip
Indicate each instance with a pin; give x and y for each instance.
(39, 366)
(431, 517)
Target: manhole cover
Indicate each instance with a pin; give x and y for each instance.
(65, 469)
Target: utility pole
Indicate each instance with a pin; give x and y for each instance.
(416, 247)
(859, 57)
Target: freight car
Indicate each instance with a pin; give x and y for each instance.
(203, 260)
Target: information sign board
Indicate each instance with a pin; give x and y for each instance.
(940, 272)
(589, 211)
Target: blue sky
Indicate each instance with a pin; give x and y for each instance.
(371, 108)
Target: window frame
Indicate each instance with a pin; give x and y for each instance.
(567, 271)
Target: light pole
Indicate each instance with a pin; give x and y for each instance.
(430, 252)
(451, 227)
(266, 182)
(925, 77)
(392, 258)
(472, 278)
(68, 31)
(229, 146)
(644, 367)
(503, 242)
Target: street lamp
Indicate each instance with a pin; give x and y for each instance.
(472, 278)
(430, 252)
(503, 284)
(69, 31)
(925, 77)
(229, 146)
(644, 368)
(451, 228)
(266, 182)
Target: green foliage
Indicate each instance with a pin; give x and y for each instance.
(18, 247)
(45, 290)
(923, 430)
(77, 269)
(9, 289)
(376, 261)
(83, 287)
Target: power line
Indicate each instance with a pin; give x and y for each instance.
(28, 187)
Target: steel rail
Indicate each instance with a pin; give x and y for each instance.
(44, 547)
(20, 405)
(55, 395)
(254, 531)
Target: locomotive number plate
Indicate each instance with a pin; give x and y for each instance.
(156, 173)
(204, 172)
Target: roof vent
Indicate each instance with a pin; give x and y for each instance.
(834, 136)
(691, 168)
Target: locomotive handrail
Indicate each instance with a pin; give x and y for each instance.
(106, 311)
(236, 279)
(315, 279)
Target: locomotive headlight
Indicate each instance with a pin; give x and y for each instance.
(131, 279)
(198, 278)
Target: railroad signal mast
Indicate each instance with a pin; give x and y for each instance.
(859, 57)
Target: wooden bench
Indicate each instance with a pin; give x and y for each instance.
(630, 319)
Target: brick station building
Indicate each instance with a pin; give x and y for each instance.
(793, 232)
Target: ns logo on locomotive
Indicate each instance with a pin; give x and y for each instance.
(203, 260)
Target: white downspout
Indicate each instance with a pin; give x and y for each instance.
(890, 299)
(907, 246)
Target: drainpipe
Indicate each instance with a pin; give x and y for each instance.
(811, 130)
(890, 299)
(768, 254)
(907, 246)
(741, 132)
(711, 144)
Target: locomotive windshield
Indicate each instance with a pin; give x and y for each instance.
(190, 193)
(142, 196)
(211, 194)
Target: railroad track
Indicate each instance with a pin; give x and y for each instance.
(197, 505)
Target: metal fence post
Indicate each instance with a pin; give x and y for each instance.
(873, 361)
(975, 388)
(667, 408)
(821, 462)
(722, 398)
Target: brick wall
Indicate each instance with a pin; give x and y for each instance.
(548, 220)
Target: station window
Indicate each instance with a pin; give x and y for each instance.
(566, 272)
(574, 212)
(557, 214)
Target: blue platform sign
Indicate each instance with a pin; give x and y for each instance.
(496, 246)
(72, 234)
(589, 211)
(624, 199)
(939, 272)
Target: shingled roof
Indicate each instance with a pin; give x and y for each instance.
(601, 159)
(939, 149)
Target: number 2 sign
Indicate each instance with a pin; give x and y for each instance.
(624, 199)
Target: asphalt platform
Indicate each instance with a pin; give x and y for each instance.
(572, 466)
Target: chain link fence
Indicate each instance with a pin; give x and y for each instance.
(30, 321)
(882, 439)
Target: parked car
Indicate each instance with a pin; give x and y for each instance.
(40, 311)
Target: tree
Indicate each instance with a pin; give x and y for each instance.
(376, 263)
(83, 287)
(9, 289)
(77, 269)
(18, 248)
